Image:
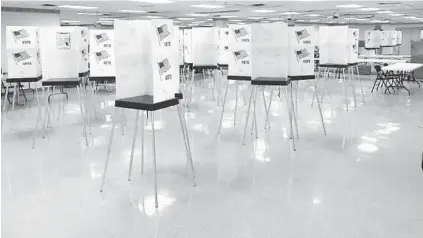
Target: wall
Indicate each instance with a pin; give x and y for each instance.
(19, 18)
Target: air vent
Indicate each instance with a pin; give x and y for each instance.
(49, 5)
(217, 12)
(152, 12)
(258, 5)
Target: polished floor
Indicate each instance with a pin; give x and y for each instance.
(363, 179)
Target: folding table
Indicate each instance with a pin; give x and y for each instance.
(399, 70)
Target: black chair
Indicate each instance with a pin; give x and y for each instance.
(382, 78)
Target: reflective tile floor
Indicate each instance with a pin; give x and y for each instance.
(363, 179)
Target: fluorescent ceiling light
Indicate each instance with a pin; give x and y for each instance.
(153, 17)
(397, 14)
(207, 6)
(154, 1)
(264, 10)
(255, 18)
(276, 19)
(185, 18)
(265, 21)
(350, 18)
(132, 11)
(90, 13)
(385, 12)
(411, 17)
(69, 21)
(360, 19)
(77, 7)
(235, 20)
(313, 15)
(197, 14)
(369, 9)
(314, 20)
(209, 19)
(341, 22)
(227, 16)
(108, 19)
(348, 6)
(290, 13)
(301, 20)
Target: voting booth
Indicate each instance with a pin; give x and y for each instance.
(64, 51)
(146, 56)
(269, 50)
(223, 39)
(204, 46)
(372, 39)
(181, 46)
(102, 53)
(388, 38)
(353, 45)
(187, 46)
(239, 43)
(334, 42)
(399, 37)
(302, 42)
(23, 52)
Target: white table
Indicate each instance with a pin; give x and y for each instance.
(408, 67)
(399, 70)
(387, 61)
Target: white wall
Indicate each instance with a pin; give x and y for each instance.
(13, 18)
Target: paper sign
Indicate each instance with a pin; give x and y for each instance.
(23, 52)
(102, 59)
(269, 46)
(334, 45)
(301, 50)
(239, 44)
(204, 46)
(63, 40)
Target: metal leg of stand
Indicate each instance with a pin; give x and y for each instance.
(361, 84)
(267, 121)
(288, 106)
(142, 142)
(293, 112)
(108, 152)
(352, 84)
(248, 114)
(223, 107)
(38, 117)
(320, 110)
(254, 125)
(186, 142)
(83, 114)
(13, 99)
(154, 158)
(326, 76)
(236, 100)
(131, 161)
(344, 81)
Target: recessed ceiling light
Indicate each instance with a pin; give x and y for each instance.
(397, 14)
(264, 10)
(369, 9)
(153, 17)
(90, 13)
(313, 15)
(348, 6)
(290, 13)
(69, 21)
(132, 11)
(185, 18)
(210, 19)
(77, 7)
(207, 6)
(385, 12)
(197, 14)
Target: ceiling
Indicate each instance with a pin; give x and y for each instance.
(234, 10)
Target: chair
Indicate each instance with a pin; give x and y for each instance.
(381, 78)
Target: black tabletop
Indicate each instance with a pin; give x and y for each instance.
(270, 81)
(341, 66)
(103, 78)
(84, 74)
(240, 78)
(302, 77)
(145, 102)
(62, 82)
(201, 67)
(23, 80)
